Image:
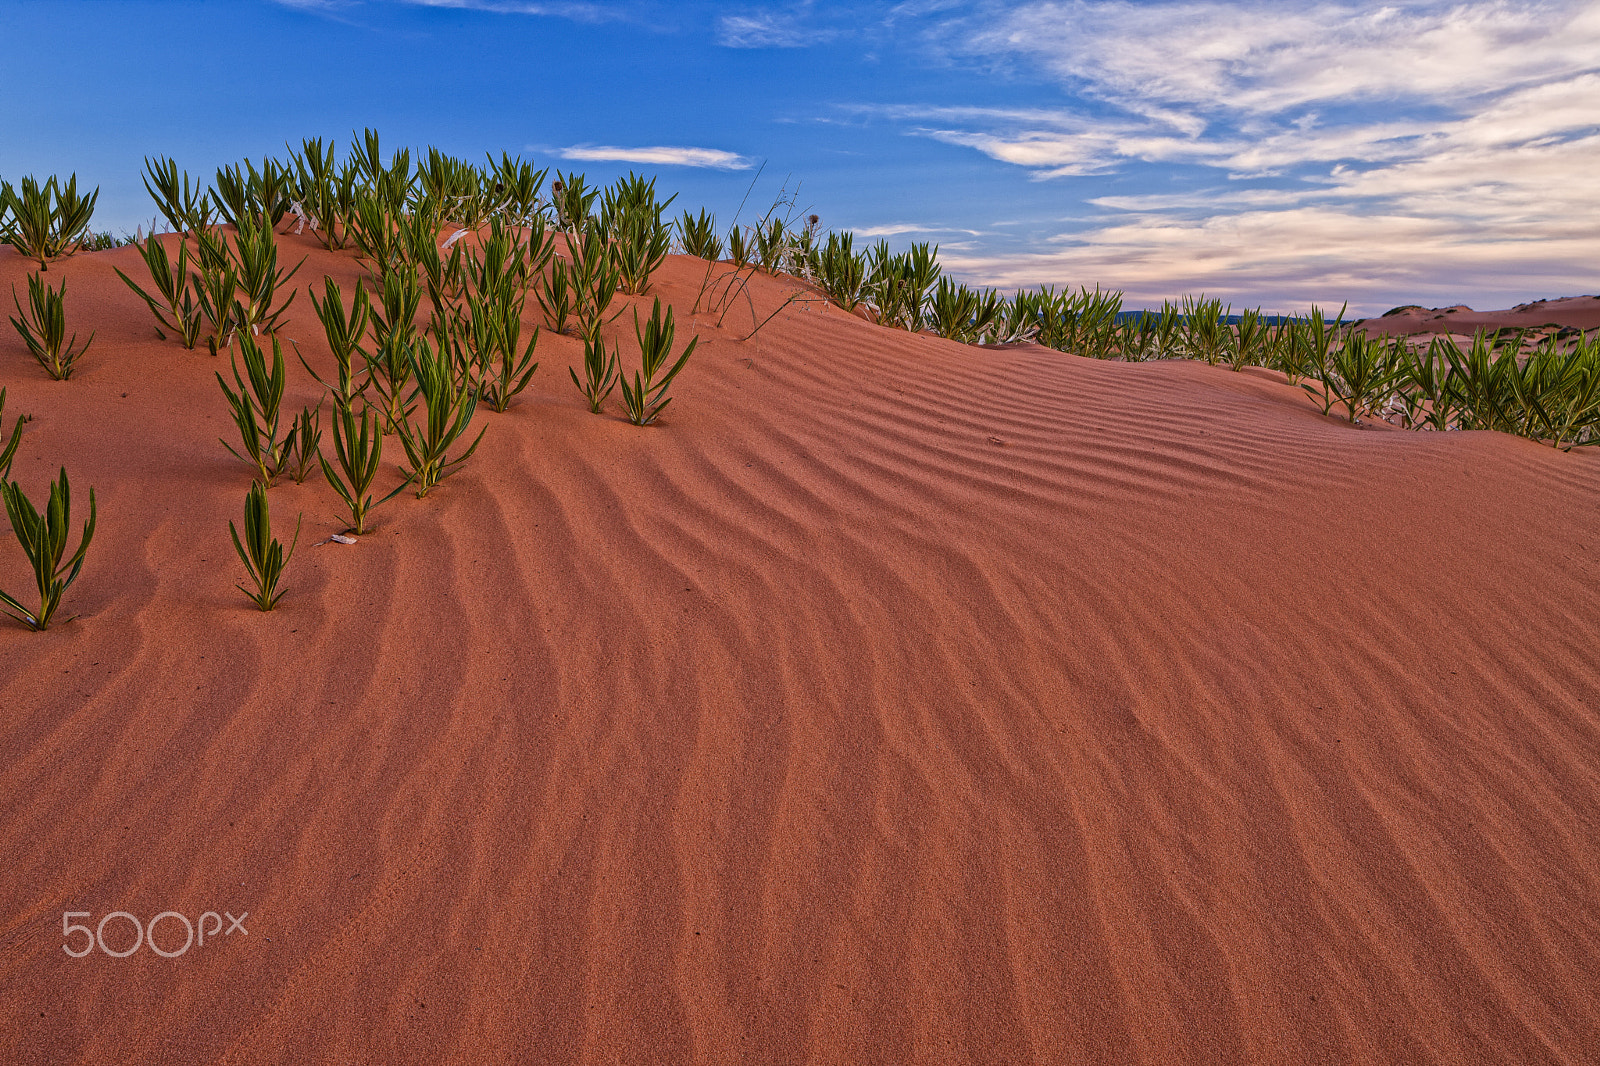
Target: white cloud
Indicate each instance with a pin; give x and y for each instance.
(1265, 58)
(659, 156)
(1364, 149)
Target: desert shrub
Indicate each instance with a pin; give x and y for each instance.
(43, 536)
(963, 314)
(739, 249)
(697, 235)
(555, 296)
(358, 446)
(390, 183)
(646, 398)
(255, 253)
(1361, 372)
(49, 221)
(259, 198)
(256, 408)
(515, 186)
(599, 371)
(185, 208)
(899, 285)
(503, 365)
(263, 556)
(573, 202)
(318, 182)
(1205, 333)
(455, 186)
(43, 327)
(593, 277)
(449, 401)
(304, 444)
(1249, 342)
(9, 451)
(177, 311)
(374, 230)
(631, 221)
(345, 333)
(841, 272)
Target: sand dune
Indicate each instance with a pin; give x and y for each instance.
(893, 701)
(1571, 312)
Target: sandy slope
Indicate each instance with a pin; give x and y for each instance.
(1185, 725)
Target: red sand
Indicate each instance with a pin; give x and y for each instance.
(1186, 725)
(1576, 312)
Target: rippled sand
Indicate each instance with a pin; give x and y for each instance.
(893, 701)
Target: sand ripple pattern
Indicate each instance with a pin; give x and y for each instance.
(896, 701)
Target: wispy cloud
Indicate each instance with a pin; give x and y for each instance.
(795, 26)
(900, 229)
(658, 156)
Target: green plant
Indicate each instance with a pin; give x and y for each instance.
(1249, 341)
(317, 181)
(449, 402)
(43, 327)
(178, 311)
(631, 220)
(255, 251)
(515, 187)
(1361, 373)
(303, 444)
(260, 198)
(359, 448)
(898, 285)
(49, 221)
(573, 201)
(9, 452)
(443, 275)
(255, 408)
(594, 278)
(344, 333)
(1426, 387)
(555, 296)
(263, 556)
(772, 244)
(1567, 387)
(599, 371)
(841, 272)
(398, 301)
(697, 236)
(644, 400)
(1205, 331)
(44, 541)
(505, 366)
(963, 314)
(8, 222)
(185, 208)
(373, 227)
(739, 249)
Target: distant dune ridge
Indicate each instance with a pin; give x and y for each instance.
(1571, 313)
(894, 700)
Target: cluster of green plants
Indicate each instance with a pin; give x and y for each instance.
(227, 282)
(48, 220)
(1545, 389)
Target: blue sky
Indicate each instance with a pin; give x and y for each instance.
(1273, 154)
